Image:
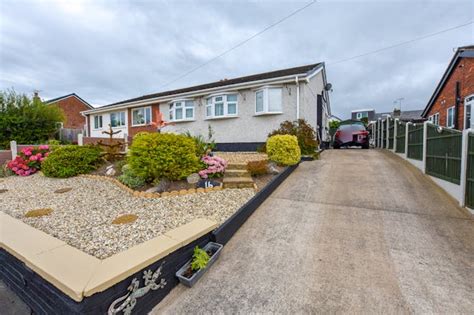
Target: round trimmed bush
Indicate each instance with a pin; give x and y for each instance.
(283, 149)
(163, 155)
(72, 160)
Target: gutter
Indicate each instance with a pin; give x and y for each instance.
(196, 93)
(297, 98)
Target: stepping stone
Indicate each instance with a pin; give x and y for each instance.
(63, 190)
(38, 213)
(3, 190)
(126, 218)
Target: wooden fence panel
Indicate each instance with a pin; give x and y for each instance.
(391, 131)
(400, 137)
(443, 153)
(470, 172)
(415, 142)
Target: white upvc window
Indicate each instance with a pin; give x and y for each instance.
(117, 119)
(268, 101)
(223, 105)
(141, 116)
(435, 119)
(181, 110)
(450, 117)
(98, 122)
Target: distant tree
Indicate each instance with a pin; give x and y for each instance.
(365, 120)
(26, 120)
(334, 124)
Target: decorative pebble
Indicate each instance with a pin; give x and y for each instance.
(3, 190)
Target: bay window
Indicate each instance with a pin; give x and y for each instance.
(141, 116)
(182, 110)
(268, 101)
(117, 119)
(221, 106)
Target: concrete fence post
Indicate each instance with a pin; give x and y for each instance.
(395, 128)
(425, 144)
(80, 139)
(407, 129)
(464, 159)
(387, 134)
(14, 149)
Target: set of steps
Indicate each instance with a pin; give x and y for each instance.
(237, 176)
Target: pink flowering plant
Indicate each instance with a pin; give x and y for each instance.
(29, 160)
(215, 167)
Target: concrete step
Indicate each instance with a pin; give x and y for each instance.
(238, 182)
(236, 173)
(237, 166)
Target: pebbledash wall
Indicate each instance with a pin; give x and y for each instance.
(247, 127)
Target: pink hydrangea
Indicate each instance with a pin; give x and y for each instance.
(215, 167)
(28, 160)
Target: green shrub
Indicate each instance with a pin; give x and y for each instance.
(200, 259)
(71, 160)
(257, 167)
(283, 149)
(303, 131)
(163, 155)
(27, 120)
(130, 179)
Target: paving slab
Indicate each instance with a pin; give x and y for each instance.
(359, 231)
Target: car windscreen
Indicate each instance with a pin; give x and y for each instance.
(353, 127)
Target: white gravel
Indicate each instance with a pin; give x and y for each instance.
(83, 216)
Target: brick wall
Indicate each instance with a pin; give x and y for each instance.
(132, 131)
(72, 108)
(464, 73)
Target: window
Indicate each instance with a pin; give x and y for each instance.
(221, 106)
(117, 119)
(141, 116)
(182, 110)
(97, 122)
(450, 118)
(268, 100)
(435, 119)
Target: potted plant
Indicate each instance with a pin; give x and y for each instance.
(202, 259)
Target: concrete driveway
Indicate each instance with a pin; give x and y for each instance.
(358, 231)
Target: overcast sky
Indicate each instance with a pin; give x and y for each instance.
(113, 50)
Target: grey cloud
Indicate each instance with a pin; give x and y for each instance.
(107, 51)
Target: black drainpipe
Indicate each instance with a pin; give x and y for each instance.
(456, 104)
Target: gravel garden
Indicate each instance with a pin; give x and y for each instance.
(102, 202)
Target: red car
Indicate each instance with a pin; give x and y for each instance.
(351, 134)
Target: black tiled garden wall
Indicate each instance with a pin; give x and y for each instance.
(43, 298)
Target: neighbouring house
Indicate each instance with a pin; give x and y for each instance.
(452, 102)
(241, 111)
(414, 116)
(72, 106)
(358, 114)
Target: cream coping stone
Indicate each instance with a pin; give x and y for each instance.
(78, 274)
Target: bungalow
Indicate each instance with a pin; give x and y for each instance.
(240, 111)
(452, 102)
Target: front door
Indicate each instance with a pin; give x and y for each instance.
(468, 112)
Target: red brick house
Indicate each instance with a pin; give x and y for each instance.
(72, 106)
(452, 102)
